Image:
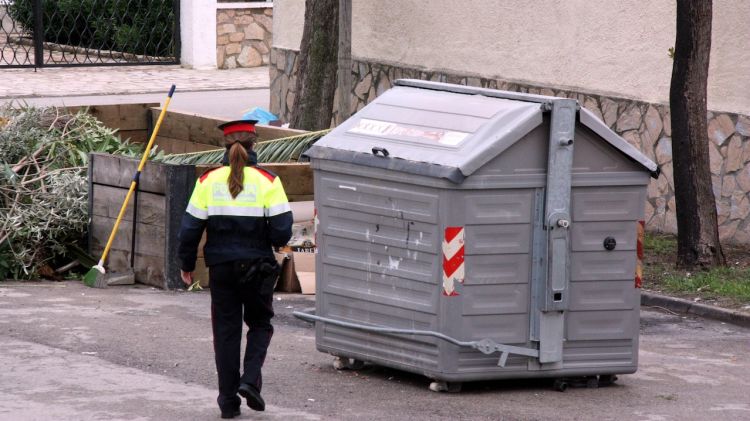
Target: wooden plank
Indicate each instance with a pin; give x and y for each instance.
(180, 179)
(170, 145)
(150, 270)
(128, 116)
(120, 116)
(190, 127)
(202, 129)
(134, 136)
(117, 260)
(119, 171)
(297, 178)
(108, 200)
(197, 147)
(201, 169)
(300, 197)
(173, 125)
(149, 239)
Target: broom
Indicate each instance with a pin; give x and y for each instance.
(95, 277)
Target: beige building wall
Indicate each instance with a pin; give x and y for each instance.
(288, 23)
(610, 55)
(608, 47)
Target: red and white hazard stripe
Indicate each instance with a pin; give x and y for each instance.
(639, 254)
(453, 259)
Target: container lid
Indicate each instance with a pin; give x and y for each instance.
(443, 130)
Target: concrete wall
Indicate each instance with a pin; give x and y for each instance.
(197, 39)
(288, 23)
(610, 47)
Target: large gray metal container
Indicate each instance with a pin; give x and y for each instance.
(429, 175)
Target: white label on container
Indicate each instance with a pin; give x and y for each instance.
(453, 138)
(385, 129)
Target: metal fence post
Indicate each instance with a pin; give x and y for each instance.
(177, 29)
(38, 33)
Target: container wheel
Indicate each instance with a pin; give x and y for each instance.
(560, 385)
(592, 382)
(607, 380)
(441, 386)
(343, 363)
(356, 364)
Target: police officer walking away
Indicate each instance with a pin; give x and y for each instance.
(246, 213)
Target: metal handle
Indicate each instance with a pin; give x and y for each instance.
(378, 150)
(485, 346)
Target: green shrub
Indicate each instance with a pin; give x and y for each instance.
(132, 26)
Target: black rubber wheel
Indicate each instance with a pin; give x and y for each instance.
(356, 364)
(445, 387)
(607, 380)
(454, 387)
(560, 385)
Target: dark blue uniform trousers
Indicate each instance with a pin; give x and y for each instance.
(228, 300)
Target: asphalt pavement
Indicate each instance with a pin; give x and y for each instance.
(136, 353)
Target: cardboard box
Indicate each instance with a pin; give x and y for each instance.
(304, 261)
(287, 279)
(306, 282)
(304, 267)
(297, 272)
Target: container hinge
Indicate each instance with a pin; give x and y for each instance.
(485, 346)
(557, 220)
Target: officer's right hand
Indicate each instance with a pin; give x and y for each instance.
(187, 277)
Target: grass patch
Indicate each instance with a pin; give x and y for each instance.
(729, 286)
(720, 282)
(660, 244)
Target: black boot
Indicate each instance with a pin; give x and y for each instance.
(254, 400)
(231, 413)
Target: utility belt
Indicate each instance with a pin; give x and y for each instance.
(263, 273)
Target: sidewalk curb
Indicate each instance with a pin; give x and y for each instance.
(679, 305)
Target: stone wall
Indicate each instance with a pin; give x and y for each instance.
(243, 36)
(283, 76)
(646, 126)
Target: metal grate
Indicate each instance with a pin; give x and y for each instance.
(37, 33)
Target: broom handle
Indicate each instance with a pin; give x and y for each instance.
(136, 178)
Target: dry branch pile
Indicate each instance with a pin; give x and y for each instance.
(43, 187)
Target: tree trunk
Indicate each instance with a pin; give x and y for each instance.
(318, 62)
(697, 230)
(344, 88)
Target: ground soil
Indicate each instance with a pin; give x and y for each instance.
(660, 265)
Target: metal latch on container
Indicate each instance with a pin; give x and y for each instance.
(485, 346)
(382, 151)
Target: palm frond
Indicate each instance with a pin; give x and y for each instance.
(284, 149)
(212, 156)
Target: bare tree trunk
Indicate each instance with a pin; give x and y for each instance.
(344, 88)
(318, 61)
(697, 230)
